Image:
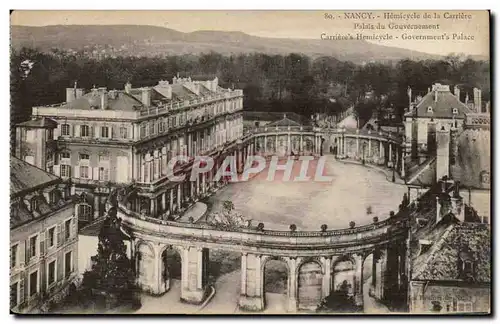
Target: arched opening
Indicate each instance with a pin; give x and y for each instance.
(341, 298)
(171, 274)
(275, 285)
(310, 279)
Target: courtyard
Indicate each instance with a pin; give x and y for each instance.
(277, 203)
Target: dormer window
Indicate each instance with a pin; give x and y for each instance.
(429, 109)
(455, 111)
(34, 204)
(467, 265)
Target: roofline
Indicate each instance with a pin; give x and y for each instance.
(475, 284)
(24, 191)
(52, 212)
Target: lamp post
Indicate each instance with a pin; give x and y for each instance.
(394, 166)
(363, 159)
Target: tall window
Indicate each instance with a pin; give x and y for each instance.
(105, 131)
(151, 128)
(103, 174)
(84, 131)
(123, 132)
(84, 212)
(51, 273)
(51, 237)
(65, 170)
(13, 256)
(14, 294)
(161, 127)
(84, 172)
(32, 246)
(67, 264)
(143, 130)
(64, 130)
(33, 283)
(67, 229)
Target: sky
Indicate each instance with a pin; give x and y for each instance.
(456, 25)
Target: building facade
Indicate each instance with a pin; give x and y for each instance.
(107, 138)
(43, 238)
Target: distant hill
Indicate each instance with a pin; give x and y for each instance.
(152, 40)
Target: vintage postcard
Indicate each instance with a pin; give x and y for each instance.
(250, 162)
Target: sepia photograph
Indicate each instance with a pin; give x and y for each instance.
(239, 162)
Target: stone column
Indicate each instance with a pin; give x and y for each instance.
(357, 146)
(152, 207)
(370, 148)
(171, 201)
(288, 148)
(179, 195)
(390, 152)
(276, 144)
(380, 149)
(193, 282)
(251, 295)
(380, 273)
(244, 274)
(301, 148)
(292, 285)
(203, 182)
(326, 284)
(265, 144)
(96, 206)
(358, 279)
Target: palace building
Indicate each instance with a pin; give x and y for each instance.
(43, 237)
(103, 138)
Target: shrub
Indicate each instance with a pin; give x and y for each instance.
(352, 224)
(260, 227)
(324, 227)
(375, 219)
(293, 227)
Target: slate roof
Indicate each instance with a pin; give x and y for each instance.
(449, 240)
(89, 101)
(24, 177)
(442, 108)
(39, 122)
(284, 122)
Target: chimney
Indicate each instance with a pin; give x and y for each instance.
(146, 97)
(431, 138)
(456, 92)
(166, 88)
(453, 144)
(442, 153)
(103, 95)
(477, 100)
(414, 139)
(70, 94)
(215, 84)
(128, 87)
(435, 95)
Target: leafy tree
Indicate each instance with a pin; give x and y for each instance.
(111, 274)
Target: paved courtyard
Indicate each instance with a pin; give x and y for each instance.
(309, 204)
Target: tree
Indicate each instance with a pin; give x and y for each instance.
(111, 275)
